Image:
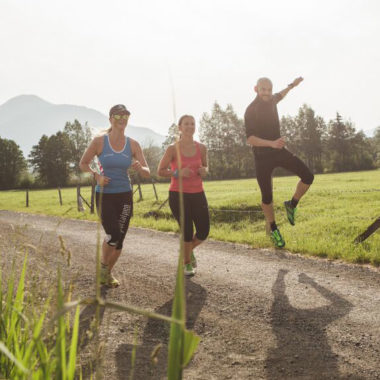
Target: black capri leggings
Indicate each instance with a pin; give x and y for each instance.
(265, 165)
(116, 212)
(195, 210)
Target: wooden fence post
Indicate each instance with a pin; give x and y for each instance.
(92, 197)
(27, 197)
(369, 231)
(139, 188)
(154, 188)
(79, 200)
(60, 196)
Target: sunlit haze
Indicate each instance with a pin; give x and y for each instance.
(96, 54)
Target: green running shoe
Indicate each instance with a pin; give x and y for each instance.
(277, 239)
(106, 277)
(290, 212)
(188, 270)
(193, 260)
(112, 281)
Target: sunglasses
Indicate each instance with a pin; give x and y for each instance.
(118, 117)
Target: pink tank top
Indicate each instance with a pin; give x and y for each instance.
(192, 184)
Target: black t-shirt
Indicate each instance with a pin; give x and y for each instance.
(261, 120)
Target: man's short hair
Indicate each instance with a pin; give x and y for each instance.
(264, 79)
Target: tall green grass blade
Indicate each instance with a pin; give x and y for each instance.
(19, 300)
(12, 358)
(42, 351)
(191, 342)
(73, 347)
(1, 300)
(176, 339)
(9, 298)
(116, 306)
(133, 356)
(14, 317)
(61, 334)
(136, 310)
(36, 335)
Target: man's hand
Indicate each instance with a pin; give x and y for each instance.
(278, 144)
(297, 81)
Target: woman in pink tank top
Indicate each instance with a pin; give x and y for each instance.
(191, 167)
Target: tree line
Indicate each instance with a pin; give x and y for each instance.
(53, 162)
(332, 146)
(326, 147)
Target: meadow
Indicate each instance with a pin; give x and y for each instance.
(337, 208)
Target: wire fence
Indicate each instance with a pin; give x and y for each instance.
(230, 215)
(222, 214)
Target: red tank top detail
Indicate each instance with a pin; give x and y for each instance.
(192, 184)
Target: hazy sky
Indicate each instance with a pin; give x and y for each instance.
(99, 53)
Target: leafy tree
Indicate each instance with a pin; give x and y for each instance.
(224, 135)
(38, 159)
(347, 149)
(172, 136)
(79, 137)
(12, 164)
(304, 136)
(375, 144)
(361, 156)
(51, 159)
(311, 130)
(152, 154)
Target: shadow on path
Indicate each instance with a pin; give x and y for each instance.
(302, 348)
(157, 332)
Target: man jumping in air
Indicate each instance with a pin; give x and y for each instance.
(263, 134)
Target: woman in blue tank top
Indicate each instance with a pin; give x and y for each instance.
(116, 153)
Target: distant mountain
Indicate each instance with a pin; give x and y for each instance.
(26, 118)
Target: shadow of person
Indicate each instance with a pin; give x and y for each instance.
(302, 348)
(87, 331)
(156, 333)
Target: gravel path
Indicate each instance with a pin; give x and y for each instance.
(261, 314)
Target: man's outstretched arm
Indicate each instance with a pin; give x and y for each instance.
(295, 83)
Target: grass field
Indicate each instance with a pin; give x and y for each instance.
(337, 208)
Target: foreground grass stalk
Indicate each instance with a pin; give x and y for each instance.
(177, 356)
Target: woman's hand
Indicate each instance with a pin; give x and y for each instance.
(136, 165)
(102, 180)
(202, 171)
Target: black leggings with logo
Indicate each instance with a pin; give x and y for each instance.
(116, 212)
(266, 163)
(195, 210)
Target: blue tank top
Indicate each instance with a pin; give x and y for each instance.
(114, 165)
